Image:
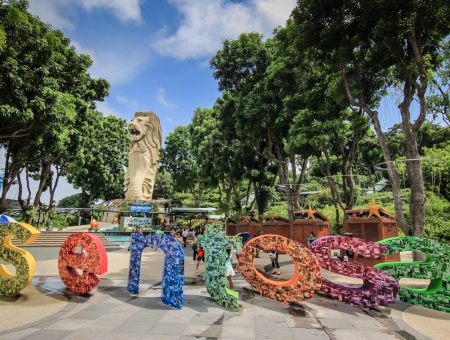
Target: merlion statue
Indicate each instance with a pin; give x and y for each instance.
(143, 157)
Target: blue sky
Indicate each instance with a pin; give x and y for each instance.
(155, 53)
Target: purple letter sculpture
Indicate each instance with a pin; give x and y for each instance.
(378, 288)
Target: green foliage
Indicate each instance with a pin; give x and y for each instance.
(163, 185)
(72, 201)
(98, 166)
(177, 159)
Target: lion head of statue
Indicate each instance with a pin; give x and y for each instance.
(146, 136)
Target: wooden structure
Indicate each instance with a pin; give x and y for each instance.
(374, 224)
(246, 224)
(276, 225)
(307, 221)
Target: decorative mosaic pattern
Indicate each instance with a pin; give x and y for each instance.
(216, 244)
(436, 267)
(11, 285)
(303, 284)
(173, 270)
(90, 258)
(378, 287)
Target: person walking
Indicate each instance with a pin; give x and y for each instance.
(229, 269)
(200, 257)
(184, 234)
(275, 264)
(194, 249)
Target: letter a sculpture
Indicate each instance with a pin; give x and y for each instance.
(143, 157)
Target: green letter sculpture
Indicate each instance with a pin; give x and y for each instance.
(436, 267)
(216, 244)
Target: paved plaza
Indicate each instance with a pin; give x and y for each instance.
(45, 311)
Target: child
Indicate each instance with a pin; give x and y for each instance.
(229, 269)
(274, 258)
(200, 257)
(311, 238)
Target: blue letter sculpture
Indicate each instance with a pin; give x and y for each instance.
(216, 243)
(173, 270)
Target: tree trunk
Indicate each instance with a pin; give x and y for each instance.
(52, 196)
(360, 103)
(301, 179)
(284, 180)
(392, 171)
(413, 167)
(45, 172)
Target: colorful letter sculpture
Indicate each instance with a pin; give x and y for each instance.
(378, 287)
(23, 261)
(436, 267)
(91, 260)
(216, 244)
(303, 284)
(173, 270)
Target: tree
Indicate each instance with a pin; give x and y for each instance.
(178, 160)
(375, 44)
(45, 91)
(163, 185)
(72, 201)
(99, 163)
(221, 154)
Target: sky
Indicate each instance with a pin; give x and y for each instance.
(155, 53)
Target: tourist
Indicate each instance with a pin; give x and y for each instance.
(200, 257)
(184, 235)
(311, 238)
(229, 269)
(194, 248)
(275, 264)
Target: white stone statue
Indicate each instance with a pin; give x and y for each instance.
(143, 157)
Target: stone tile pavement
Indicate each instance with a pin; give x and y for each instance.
(112, 313)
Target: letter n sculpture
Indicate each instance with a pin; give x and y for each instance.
(173, 270)
(216, 244)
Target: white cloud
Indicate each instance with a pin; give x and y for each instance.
(50, 11)
(106, 109)
(118, 61)
(161, 98)
(57, 11)
(129, 102)
(206, 23)
(125, 10)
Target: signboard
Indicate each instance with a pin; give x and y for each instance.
(131, 223)
(141, 207)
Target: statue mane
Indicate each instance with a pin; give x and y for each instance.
(152, 140)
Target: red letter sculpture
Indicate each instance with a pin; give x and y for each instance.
(91, 260)
(303, 284)
(378, 287)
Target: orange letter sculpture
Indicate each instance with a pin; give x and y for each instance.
(91, 259)
(303, 284)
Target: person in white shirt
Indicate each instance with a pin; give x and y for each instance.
(184, 234)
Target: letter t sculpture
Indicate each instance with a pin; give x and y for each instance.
(216, 244)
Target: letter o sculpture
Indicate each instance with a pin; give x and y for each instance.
(303, 285)
(92, 260)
